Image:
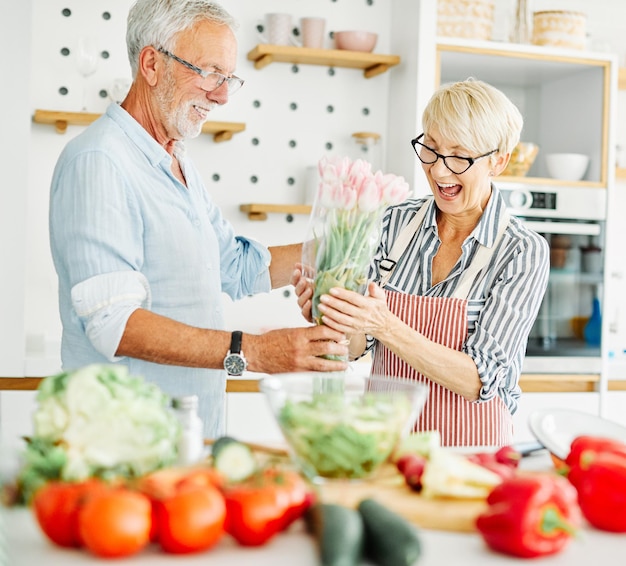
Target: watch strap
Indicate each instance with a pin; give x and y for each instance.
(235, 342)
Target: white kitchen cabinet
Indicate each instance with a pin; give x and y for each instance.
(565, 98)
(568, 99)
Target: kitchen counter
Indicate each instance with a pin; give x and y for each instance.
(28, 547)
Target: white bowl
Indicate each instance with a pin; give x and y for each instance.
(567, 166)
(355, 40)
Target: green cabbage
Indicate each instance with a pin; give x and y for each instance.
(98, 421)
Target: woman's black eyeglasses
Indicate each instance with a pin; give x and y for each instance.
(454, 163)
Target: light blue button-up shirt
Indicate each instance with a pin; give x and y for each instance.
(126, 234)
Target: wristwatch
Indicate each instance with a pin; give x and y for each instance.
(234, 362)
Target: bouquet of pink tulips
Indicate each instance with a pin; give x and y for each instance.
(345, 224)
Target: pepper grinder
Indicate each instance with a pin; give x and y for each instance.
(191, 441)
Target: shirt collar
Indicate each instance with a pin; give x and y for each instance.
(138, 134)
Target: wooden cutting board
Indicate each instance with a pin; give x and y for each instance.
(390, 489)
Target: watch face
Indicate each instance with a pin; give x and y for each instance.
(234, 364)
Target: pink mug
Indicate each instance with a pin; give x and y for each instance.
(312, 30)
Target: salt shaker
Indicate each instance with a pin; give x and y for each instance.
(191, 442)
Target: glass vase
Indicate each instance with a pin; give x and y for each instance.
(339, 248)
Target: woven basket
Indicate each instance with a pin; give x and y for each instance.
(560, 29)
(472, 19)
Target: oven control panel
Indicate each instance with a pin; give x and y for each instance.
(572, 203)
(523, 199)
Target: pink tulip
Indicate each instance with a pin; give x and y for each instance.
(351, 200)
(370, 196)
(394, 188)
(346, 197)
(326, 195)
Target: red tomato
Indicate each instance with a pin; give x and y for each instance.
(201, 476)
(56, 506)
(166, 482)
(255, 513)
(191, 520)
(115, 522)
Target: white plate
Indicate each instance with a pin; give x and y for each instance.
(556, 428)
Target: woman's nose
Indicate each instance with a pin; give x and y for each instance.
(439, 167)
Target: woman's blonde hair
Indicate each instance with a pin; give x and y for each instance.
(476, 115)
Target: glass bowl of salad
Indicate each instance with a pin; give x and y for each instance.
(342, 426)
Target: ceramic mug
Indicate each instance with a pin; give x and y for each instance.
(312, 31)
(278, 29)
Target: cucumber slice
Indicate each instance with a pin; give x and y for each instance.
(233, 459)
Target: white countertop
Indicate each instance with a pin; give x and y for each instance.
(28, 547)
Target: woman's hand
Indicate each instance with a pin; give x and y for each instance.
(352, 313)
(304, 291)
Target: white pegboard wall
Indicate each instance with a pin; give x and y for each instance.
(294, 114)
(57, 25)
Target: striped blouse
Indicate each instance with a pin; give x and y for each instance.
(503, 301)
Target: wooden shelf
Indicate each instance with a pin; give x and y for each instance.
(372, 63)
(547, 181)
(621, 80)
(221, 131)
(260, 211)
(620, 173)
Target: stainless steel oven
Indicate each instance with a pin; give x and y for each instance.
(566, 336)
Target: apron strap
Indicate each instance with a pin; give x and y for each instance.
(481, 259)
(401, 243)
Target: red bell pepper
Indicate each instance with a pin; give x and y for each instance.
(594, 444)
(585, 448)
(530, 515)
(600, 478)
(254, 514)
(265, 504)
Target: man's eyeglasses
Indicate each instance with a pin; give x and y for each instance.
(456, 164)
(212, 79)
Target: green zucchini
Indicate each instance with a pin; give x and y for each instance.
(339, 533)
(233, 459)
(390, 540)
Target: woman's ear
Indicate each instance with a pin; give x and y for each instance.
(499, 163)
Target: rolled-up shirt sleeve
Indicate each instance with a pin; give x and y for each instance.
(244, 262)
(105, 302)
(498, 340)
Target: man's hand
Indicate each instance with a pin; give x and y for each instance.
(296, 349)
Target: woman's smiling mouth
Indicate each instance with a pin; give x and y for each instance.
(449, 190)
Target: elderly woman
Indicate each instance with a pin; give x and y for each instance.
(456, 282)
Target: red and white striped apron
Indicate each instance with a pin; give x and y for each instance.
(444, 321)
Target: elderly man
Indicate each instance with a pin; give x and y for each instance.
(141, 251)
